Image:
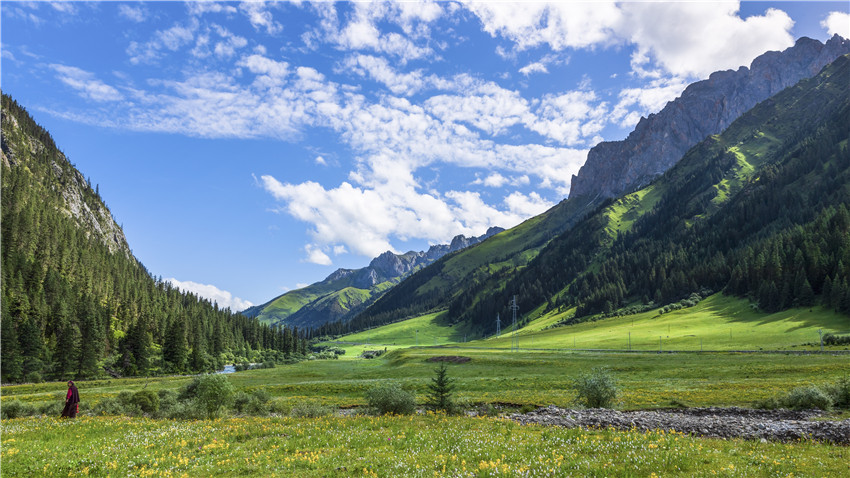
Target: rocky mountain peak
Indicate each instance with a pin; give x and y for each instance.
(706, 107)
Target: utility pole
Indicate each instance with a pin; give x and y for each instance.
(498, 326)
(514, 338)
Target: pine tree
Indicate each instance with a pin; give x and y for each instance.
(440, 390)
(174, 348)
(10, 356)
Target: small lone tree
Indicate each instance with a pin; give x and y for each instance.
(439, 395)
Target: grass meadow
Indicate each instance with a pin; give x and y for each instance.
(415, 446)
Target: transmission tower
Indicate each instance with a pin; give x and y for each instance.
(498, 326)
(514, 337)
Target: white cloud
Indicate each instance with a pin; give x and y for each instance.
(380, 70)
(560, 25)
(133, 13)
(697, 38)
(260, 17)
(223, 298)
(316, 256)
(86, 84)
(700, 38)
(361, 31)
(171, 39)
(536, 67)
(637, 102)
(321, 161)
(837, 23)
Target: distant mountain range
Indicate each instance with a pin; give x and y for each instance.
(346, 292)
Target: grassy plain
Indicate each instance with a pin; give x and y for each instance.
(415, 446)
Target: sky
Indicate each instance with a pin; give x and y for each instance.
(248, 149)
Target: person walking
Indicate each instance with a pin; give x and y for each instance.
(72, 401)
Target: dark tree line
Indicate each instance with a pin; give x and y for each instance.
(71, 307)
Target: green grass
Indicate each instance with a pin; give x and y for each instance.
(418, 446)
(717, 323)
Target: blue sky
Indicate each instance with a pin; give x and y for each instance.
(252, 148)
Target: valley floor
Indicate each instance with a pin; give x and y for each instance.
(415, 446)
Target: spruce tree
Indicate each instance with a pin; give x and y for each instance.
(440, 391)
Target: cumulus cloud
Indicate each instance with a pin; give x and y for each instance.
(637, 102)
(837, 23)
(223, 298)
(315, 255)
(697, 39)
(86, 84)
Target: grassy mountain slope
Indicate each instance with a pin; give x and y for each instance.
(776, 179)
(719, 322)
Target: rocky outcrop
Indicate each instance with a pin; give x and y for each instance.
(773, 425)
(706, 107)
(78, 200)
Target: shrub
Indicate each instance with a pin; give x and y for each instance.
(185, 410)
(113, 406)
(213, 393)
(50, 409)
(16, 409)
(391, 399)
(33, 377)
(595, 389)
(839, 392)
(310, 410)
(803, 398)
(146, 400)
(167, 403)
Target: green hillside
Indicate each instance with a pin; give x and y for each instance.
(75, 302)
(758, 211)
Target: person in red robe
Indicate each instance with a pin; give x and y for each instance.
(72, 401)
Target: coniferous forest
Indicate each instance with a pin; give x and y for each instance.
(76, 304)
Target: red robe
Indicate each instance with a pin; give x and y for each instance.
(72, 402)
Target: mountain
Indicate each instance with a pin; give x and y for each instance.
(437, 286)
(704, 108)
(759, 211)
(75, 301)
(346, 292)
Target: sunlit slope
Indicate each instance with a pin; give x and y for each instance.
(717, 323)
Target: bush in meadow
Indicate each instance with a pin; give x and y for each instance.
(16, 409)
(595, 389)
(391, 398)
(213, 393)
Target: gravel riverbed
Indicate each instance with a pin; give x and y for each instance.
(773, 425)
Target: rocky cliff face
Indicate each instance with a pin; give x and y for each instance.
(78, 201)
(706, 107)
